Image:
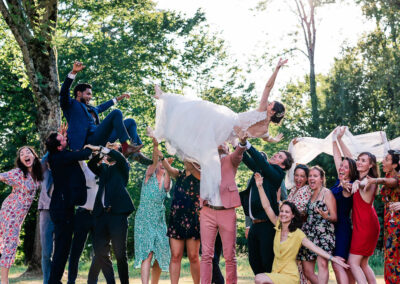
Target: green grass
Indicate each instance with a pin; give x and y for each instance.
(244, 271)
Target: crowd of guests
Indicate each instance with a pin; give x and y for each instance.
(286, 239)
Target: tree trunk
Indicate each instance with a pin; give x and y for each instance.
(33, 24)
(314, 99)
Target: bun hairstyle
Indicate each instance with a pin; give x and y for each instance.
(279, 109)
(395, 158)
(321, 173)
(37, 171)
(373, 171)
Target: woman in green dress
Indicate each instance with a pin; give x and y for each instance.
(288, 240)
(151, 242)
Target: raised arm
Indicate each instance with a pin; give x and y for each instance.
(311, 246)
(337, 155)
(345, 149)
(152, 168)
(270, 84)
(171, 170)
(389, 182)
(65, 97)
(264, 166)
(167, 178)
(264, 199)
(193, 170)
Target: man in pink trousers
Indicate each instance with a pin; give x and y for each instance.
(220, 215)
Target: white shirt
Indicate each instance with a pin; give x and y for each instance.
(92, 186)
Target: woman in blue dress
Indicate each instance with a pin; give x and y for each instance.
(151, 242)
(347, 174)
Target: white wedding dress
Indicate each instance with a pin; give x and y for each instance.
(193, 129)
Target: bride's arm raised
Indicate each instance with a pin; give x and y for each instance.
(270, 84)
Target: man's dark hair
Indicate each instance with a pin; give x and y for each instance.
(288, 162)
(279, 109)
(395, 159)
(81, 88)
(52, 143)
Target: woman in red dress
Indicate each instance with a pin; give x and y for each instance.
(391, 195)
(365, 221)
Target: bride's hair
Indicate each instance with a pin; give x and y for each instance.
(279, 109)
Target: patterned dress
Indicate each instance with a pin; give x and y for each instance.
(300, 197)
(184, 219)
(150, 226)
(13, 212)
(391, 235)
(317, 229)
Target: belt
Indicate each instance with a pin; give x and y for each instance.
(215, 207)
(257, 221)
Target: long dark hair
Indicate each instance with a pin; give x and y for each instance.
(279, 109)
(37, 172)
(373, 171)
(297, 221)
(303, 167)
(353, 173)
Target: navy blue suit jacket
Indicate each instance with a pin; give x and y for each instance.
(77, 115)
(113, 182)
(69, 182)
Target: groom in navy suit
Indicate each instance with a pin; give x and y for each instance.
(84, 126)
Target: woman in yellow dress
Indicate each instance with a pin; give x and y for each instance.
(287, 242)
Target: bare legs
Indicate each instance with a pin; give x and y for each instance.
(158, 91)
(4, 275)
(262, 278)
(361, 270)
(323, 273)
(177, 247)
(145, 270)
(343, 276)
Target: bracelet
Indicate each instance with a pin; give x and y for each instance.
(243, 144)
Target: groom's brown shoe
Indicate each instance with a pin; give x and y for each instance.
(130, 149)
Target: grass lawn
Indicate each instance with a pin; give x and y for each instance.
(244, 272)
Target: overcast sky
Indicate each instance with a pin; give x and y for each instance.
(247, 32)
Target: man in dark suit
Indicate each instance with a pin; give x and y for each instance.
(69, 190)
(111, 209)
(84, 126)
(261, 234)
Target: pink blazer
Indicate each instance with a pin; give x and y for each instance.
(228, 189)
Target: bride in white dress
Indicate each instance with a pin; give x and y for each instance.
(193, 129)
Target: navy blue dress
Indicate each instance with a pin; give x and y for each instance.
(343, 228)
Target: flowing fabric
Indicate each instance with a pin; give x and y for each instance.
(308, 148)
(193, 129)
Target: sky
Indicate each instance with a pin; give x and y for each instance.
(249, 33)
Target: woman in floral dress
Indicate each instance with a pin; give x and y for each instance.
(24, 180)
(184, 221)
(391, 221)
(319, 228)
(151, 241)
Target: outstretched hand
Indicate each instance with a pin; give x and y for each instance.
(78, 67)
(123, 96)
(149, 132)
(339, 261)
(92, 147)
(341, 131)
(281, 62)
(242, 135)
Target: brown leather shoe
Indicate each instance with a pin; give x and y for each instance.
(140, 158)
(132, 149)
